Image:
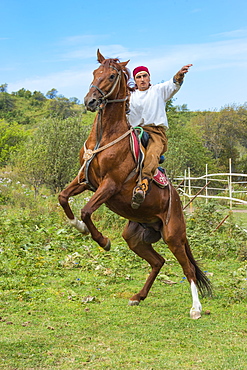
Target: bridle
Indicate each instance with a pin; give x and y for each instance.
(88, 153)
(104, 99)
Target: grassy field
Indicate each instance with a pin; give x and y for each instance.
(64, 301)
(77, 317)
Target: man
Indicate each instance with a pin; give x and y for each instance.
(147, 109)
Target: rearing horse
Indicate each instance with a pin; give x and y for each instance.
(109, 169)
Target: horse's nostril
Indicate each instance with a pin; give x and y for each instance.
(90, 104)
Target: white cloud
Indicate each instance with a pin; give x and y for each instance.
(220, 54)
(81, 39)
(232, 34)
(213, 63)
(196, 10)
(65, 81)
(109, 51)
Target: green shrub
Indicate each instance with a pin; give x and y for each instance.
(228, 240)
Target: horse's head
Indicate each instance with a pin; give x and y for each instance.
(108, 84)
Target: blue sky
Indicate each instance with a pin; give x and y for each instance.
(53, 44)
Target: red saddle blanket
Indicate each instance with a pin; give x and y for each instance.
(160, 177)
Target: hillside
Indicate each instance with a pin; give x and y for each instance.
(58, 126)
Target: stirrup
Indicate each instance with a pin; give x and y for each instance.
(139, 194)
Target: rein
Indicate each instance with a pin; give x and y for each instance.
(88, 153)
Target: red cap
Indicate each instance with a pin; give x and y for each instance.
(140, 69)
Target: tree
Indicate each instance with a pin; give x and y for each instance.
(224, 133)
(50, 157)
(3, 88)
(7, 104)
(61, 107)
(74, 100)
(37, 95)
(24, 93)
(185, 147)
(11, 137)
(51, 94)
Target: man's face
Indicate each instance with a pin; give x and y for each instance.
(142, 80)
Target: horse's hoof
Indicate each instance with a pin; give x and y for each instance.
(107, 247)
(195, 315)
(133, 303)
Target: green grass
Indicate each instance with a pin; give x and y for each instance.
(77, 319)
(241, 217)
(64, 301)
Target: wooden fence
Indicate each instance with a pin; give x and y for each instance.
(230, 186)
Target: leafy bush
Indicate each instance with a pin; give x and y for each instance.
(51, 155)
(228, 240)
(39, 250)
(11, 137)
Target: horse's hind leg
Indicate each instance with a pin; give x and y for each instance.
(190, 273)
(175, 237)
(74, 188)
(133, 234)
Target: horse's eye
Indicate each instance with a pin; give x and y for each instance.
(112, 77)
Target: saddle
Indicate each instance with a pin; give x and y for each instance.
(139, 140)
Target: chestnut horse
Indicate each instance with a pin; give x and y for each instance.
(109, 169)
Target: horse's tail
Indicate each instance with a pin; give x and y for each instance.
(203, 283)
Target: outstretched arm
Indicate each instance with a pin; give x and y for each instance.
(179, 76)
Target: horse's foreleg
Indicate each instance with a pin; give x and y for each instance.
(102, 194)
(133, 234)
(74, 188)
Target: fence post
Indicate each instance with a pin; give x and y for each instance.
(206, 178)
(189, 188)
(189, 182)
(185, 184)
(230, 182)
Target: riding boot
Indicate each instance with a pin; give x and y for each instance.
(139, 193)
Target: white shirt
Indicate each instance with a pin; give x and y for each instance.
(148, 106)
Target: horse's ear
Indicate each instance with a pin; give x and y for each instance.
(124, 64)
(100, 57)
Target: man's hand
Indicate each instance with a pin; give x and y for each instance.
(179, 76)
(185, 69)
